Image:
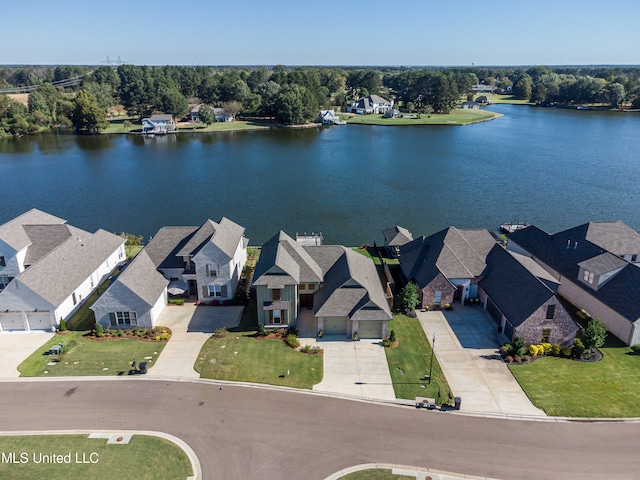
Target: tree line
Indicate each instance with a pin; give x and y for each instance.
(285, 95)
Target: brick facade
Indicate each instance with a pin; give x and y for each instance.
(440, 283)
(562, 327)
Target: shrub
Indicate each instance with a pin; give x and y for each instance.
(566, 351)
(387, 342)
(163, 337)
(226, 303)
(447, 306)
(534, 350)
(292, 331)
(392, 336)
(547, 348)
(525, 359)
(508, 359)
(518, 347)
(594, 335)
(320, 333)
(220, 332)
(409, 297)
(214, 303)
(636, 348)
(99, 330)
(305, 349)
(63, 325)
(578, 348)
(355, 336)
(292, 340)
(176, 301)
(556, 349)
(505, 349)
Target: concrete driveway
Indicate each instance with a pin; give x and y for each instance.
(466, 346)
(15, 347)
(191, 326)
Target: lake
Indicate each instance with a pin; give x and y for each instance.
(551, 167)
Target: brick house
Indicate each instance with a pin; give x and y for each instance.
(447, 265)
(521, 297)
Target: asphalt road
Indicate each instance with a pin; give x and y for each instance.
(253, 433)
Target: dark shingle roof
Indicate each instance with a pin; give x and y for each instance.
(396, 236)
(514, 289)
(560, 252)
(164, 246)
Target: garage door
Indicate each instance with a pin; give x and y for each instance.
(335, 325)
(39, 321)
(11, 321)
(370, 329)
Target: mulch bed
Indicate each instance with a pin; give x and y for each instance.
(149, 337)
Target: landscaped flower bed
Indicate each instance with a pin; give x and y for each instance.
(155, 334)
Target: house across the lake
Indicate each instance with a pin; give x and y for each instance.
(370, 104)
(158, 124)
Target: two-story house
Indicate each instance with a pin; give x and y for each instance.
(48, 269)
(340, 286)
(207, 260)
(370, 104)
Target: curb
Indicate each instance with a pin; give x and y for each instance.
(340, 396)
(193, 458)
(419, 473)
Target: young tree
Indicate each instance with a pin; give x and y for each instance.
(409, 297)
(594, 335)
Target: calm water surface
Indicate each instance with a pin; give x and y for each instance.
(554, 168)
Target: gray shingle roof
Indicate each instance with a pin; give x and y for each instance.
(603, 263)
(615, 237)
(44, 238)
(164, 246)
(396, 236)
(454, 253)
(285, 254)
(13, 232)
(63, 269)
(352, 287)
(226, 235)
(142, 279)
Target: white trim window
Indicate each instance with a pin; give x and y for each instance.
(4, 281)
(277, 317)
(212, 271)
(119, 319)
(215, 290)
(437, 296)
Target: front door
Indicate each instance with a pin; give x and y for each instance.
(193, 287)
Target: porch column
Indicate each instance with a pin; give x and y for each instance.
(25, 320)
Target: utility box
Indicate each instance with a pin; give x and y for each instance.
(143, 367)
(457, 403)
(55, 350)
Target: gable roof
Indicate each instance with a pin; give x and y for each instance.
(226, 235)
(142, 279)
(566, 251)
(396, 236)
(44, 238)
(288, 256)
(513, 288)
(163, 248)
(616, 237)
(351, 288)
(455, 253)
(13, 233)
(56, 275)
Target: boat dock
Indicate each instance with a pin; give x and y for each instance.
(512, 227)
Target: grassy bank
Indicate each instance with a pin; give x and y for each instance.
(143, 458)
(456, 117)
(409, 362)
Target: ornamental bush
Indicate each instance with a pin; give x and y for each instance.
(578, 348)
(547, 348)
(99, 330)
(292, 340)
(556, 349)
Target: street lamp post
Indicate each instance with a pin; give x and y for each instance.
(433, 347)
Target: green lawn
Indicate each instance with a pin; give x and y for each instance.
(132, 250)
(90, 357)
(116, 125)
(457, 116)
(84, 318)
(370, 252)
(241, 357)
(563, 387)
(409, 362)
(143, 458)
(375, 474)
(510, 99)
(223, 126)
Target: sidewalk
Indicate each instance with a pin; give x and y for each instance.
(467, 349)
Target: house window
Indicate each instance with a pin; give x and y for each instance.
(437, 297)
(310, 287)
(173, 279)
(634, 258)
(3, 262)
(551, 309)
(4, 281)
(275, 294)
(215, 291)
(546, 334)
(277, 317)
(124, 318)
(212, 270)
(303, 286)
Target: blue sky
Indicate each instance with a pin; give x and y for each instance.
(328, 32)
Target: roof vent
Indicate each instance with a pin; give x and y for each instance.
(575, 245)
(568, 244)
